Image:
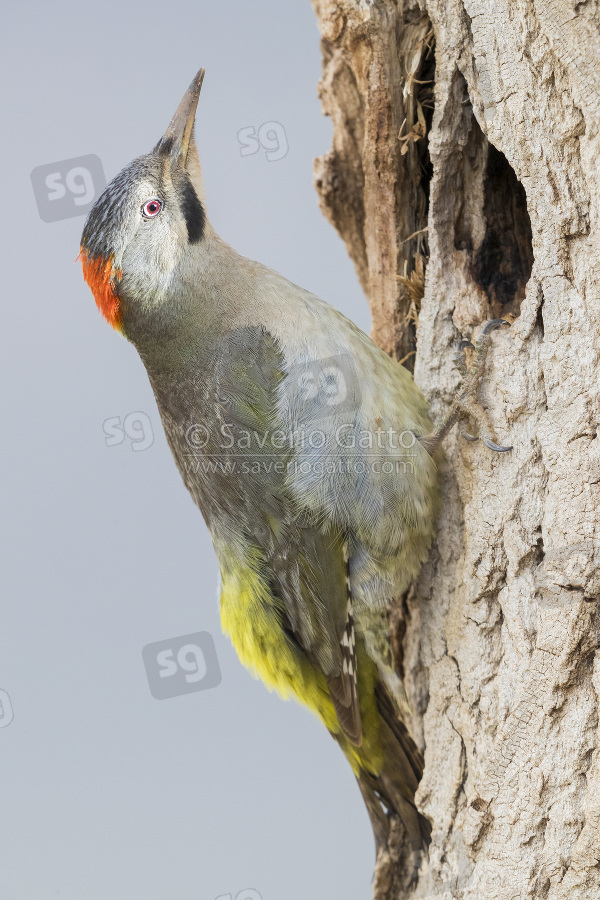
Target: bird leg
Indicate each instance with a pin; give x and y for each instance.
(466, 404)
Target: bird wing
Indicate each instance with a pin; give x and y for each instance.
(306, 565)
(308, 571)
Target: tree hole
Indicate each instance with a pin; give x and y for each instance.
(502, 265)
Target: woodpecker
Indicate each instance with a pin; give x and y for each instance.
(307, 449)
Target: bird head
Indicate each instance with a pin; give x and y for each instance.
(138, 235)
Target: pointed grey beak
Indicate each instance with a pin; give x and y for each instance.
(176, 140)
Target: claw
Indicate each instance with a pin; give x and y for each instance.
(497, 447)
(493, 324)
(492, 446)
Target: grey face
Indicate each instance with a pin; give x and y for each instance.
(109, 218)
(140, 228)
(115, 210)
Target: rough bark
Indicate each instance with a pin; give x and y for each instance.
(498, 641)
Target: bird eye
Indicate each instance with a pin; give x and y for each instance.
(151, 208)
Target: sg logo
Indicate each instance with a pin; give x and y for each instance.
(271, 137)
(181, 665)
(67, 188)
(6, 710)
(136, 425)
(325, 387)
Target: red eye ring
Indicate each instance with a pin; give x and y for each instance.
(151, 208)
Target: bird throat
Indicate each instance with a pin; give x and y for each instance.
(99, 273)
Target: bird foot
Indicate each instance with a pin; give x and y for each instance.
(466, 404)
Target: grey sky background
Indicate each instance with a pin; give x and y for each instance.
(107, 793)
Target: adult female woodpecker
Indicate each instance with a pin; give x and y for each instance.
(307, 449)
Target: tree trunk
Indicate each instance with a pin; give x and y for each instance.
(464, 178)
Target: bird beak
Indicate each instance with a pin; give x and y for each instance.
(176, 140)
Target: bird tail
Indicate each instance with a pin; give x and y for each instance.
(392, 790)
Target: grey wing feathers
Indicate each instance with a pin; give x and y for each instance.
(307, 566)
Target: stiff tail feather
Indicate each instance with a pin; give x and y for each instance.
(392, 791)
